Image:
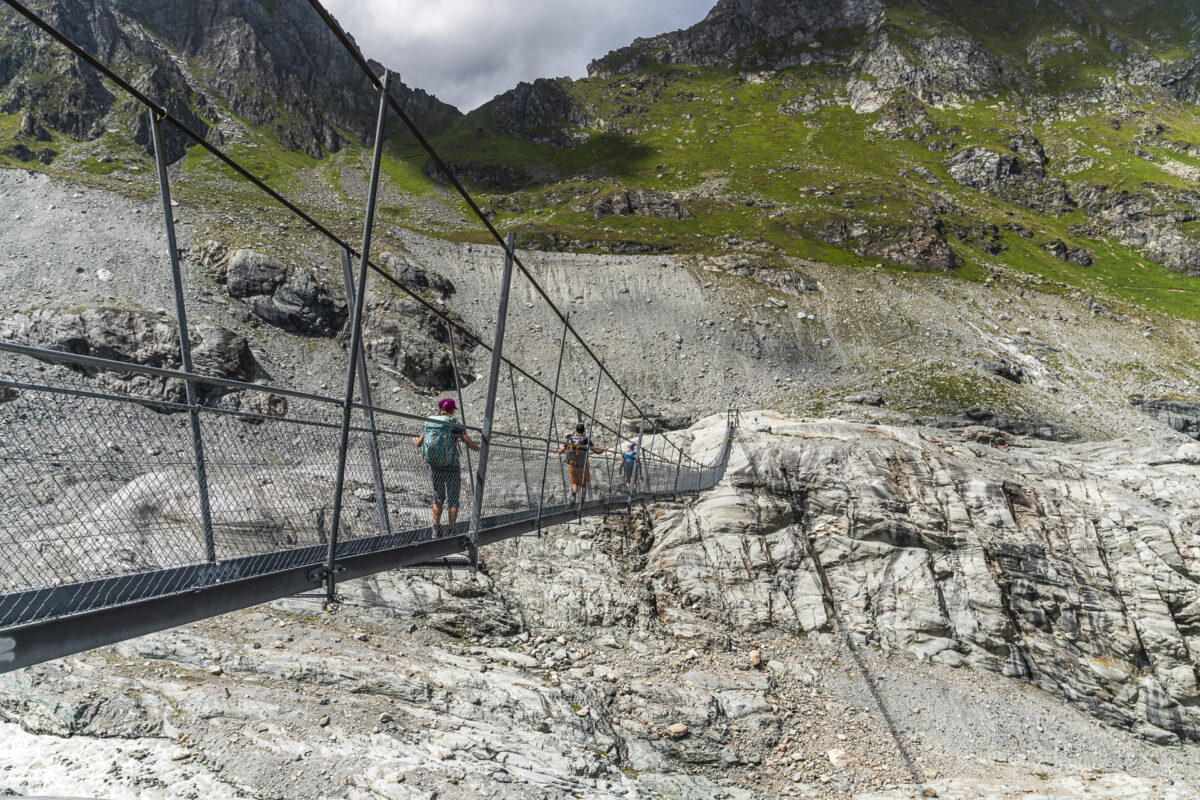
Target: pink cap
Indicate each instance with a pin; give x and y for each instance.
(447, 405)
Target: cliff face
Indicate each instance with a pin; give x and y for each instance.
(749, 33)
(1074, 568)
(950, 49)
(275, 65)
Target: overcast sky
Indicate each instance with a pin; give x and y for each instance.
(468, 51)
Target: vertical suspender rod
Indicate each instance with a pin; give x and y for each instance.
(591, 431)
(562, 348)
(355, 340)
(185, 344)
(364, 391)
(520, 437)
(620, 447)
(462, 409)
(489, 406)
(637, 463)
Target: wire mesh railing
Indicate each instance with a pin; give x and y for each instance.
(127, 478)
(97, 486)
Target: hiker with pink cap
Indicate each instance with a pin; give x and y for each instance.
(439, 446)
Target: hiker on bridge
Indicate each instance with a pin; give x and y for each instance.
(577, 447)
(439, 446)
(629, 458)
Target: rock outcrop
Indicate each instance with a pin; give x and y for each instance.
(536, 112)
(286, 297)
(921, 245)
(415, 351)
(1182, 415)
(136, 337)
(1018, 176)
(1032, 562)
(1149, 219)
(935, 70)
(417, 278)
(642, 202)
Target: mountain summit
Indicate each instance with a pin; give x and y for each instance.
(275, 65)
(940, 51)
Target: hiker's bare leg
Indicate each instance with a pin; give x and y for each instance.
(437, 514)
(453, 517)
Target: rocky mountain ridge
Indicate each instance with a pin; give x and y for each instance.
(212, 65)
(963, 137)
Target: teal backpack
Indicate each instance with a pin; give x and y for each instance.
(439, 447)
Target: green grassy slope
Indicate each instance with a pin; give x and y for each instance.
(770, 184)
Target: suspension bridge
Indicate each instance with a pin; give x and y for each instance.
(132, 510)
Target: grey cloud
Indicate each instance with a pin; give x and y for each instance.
(467, 51)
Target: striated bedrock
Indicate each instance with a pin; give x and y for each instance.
(1182, 415)
(1072, 567)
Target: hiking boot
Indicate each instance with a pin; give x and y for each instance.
(572, 499)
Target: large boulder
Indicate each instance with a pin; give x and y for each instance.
(290, 298)
(220, 352)
(415, 277)
(301, 305)
(248, 274)
(420, 358)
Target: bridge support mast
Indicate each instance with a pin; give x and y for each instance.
(360, 295)
(489, 408)
(637, 464)
(562, 348)
(185, 344)
(364, 391)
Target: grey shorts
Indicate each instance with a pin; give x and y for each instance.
(447, 485)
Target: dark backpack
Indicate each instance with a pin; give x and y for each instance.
(577, 448)
(440, 448)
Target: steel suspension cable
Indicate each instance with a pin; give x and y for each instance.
(228, 161)
(358, 57)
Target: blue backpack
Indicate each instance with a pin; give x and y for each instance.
(440, 447)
